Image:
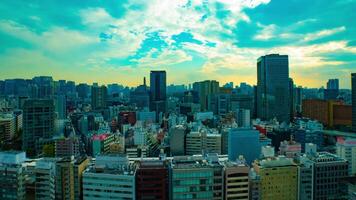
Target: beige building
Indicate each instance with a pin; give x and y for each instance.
(236, 181)
(198, 142)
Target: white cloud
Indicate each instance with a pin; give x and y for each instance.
(323, 33)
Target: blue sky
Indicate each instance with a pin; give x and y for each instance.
(122, 40)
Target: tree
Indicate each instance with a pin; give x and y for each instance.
(48, 150)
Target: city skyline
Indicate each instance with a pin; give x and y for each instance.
(192, 40)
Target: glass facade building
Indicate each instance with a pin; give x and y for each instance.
(273, 91)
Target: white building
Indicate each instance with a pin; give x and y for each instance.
(198, 142)
(112, 177)
(12, 175)
(45, 179)
(346, 149)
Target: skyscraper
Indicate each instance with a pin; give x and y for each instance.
(333, 84)
(332, 89)
(273, 93)
(38, 123)
(158, 85)
(205, 89)
(353, 80)
(98, 97)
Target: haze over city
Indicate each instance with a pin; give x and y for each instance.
(121, 41)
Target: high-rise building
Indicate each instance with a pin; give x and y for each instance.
(12, 175)
(298, 96)
(245, 142)
(152, 180)
(83, 90)
(80, 164)
(353, 88)
(177, 140)
(109, 171)
(98, 97)
(64, 178)
(60, 105)
(38, 123)
(204, 90)
(158, 89)
(45, 86)
(243, 118)
(279, 178)
(333, 84)
(273, 93)
(141, 96)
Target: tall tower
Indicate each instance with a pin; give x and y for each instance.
(98, 97)
(38, 123)
(273, 91)
(158, 86)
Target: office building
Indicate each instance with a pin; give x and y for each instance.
(191, 179)
(141, 96)
(98, 97)
(177, 140)
(64, 179)
(236, 180)
(80, 164)
(245, 142)
(7, 127)
(205, 89)
(305, 180)
(278, 178)
(330, 113)
(83, 90)
(308, 136)
(67, 147)
(202, 142)
(38, 123)
(353, 88)
(45, 173)
(332, 89)
(273, 91)
(61, 106)
(12, 175)
(101, 143)
(152, 180)
(158, 89)
(243, 118)
(109, 171)
(346, 149)
(328, 172)
(44, 86)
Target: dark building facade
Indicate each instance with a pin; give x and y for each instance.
(273, 91)
(38, 123)
(152, 180)
(98, 97)
(158, 89)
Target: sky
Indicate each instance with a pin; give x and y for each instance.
(120, 41)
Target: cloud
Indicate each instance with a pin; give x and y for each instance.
(323, 33)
